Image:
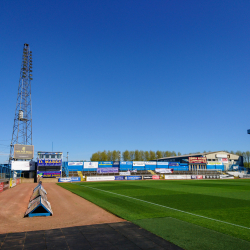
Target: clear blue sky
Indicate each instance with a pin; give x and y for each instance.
(117, 75)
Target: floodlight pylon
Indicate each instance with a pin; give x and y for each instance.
(22, 129)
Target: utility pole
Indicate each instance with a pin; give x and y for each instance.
(22, 129)
(67, 156)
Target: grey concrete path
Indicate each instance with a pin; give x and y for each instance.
(121, 235)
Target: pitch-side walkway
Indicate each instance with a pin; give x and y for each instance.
(121, 235)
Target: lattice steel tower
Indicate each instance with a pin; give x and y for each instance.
(22, 129)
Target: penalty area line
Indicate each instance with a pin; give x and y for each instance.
(171, 208)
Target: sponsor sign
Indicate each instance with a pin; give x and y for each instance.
(13, 183)
(193, 176)
(119, 178)
(100, 178)
(107, 170)
(221, 156)
(173, 164)
(23, 165)
(235, 167)
(147, 177)
(214, 163)
(69, 179)
(116, 163)
(177, 177)
(49, 162)
(164, 170)
(129, 163)
(6, 185)
(45, 174)
(90, 164)
(1, 187)
(138, 163)
(224, 160)
(23, 152)
(155, 177)
(75, 163)
(150, 162)
(124, 173)
(105, 163)
(197, 159)
(136, 177)
(162, 163)
(199, 176)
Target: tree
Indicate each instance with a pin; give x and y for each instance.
(95, 156)
(109, 156)
(126, 156)
(136, 155)
(132, 155)
(146, 156)
(151, 155)
(104, 156)
(158, 154)
(173, 153)
(168, 154)
(179, 153)
(115, 155)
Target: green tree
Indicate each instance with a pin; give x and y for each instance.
(151, 155)
(104, 156)
(126, 156)
(132, 155)
(168, 154)
(146, 156)
(109, 156)
(115, 155)
(173, 153)
(179, 153)
(158, 154)
(136, 155)
(96, 156)
(141, 155)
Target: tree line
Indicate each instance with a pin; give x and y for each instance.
(136, 155)
(140, 155)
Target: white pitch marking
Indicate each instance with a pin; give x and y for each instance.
(169, 208)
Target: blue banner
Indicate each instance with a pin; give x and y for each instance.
(116, 163)
(119, 178)
(173, 164)
(49, 162)
(69, 179)
(136, 177)
(127, 163)
(45, 174)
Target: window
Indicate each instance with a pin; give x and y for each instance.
(47, 156)
(41, 156)
(53, 156)
(58, 156)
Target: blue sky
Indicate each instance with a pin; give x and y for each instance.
(117, 75)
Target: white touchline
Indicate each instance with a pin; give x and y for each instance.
(168, 207)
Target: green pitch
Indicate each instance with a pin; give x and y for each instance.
(193, 214)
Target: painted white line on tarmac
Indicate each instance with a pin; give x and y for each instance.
(204, 217)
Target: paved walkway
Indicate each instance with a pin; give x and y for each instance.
(109, 236)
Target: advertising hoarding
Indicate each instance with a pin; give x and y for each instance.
(147, 177)
(69, 179)
(177, 177)
(164, 170)
(119, 178)
(214, 163)
(90, 164)
(23, 165)
(49, 162)
(138, 163)
(136, 177)
(164, 163)
(104, 164)
(197, 159)
(75, 163)
(45, 174)
(1, 187)
(150, 162)
(100, 178)
(23, 152)
(155, 177)
(107, 170)
(173, 164)
(128, 163)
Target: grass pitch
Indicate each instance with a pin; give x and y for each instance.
(193, 214)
